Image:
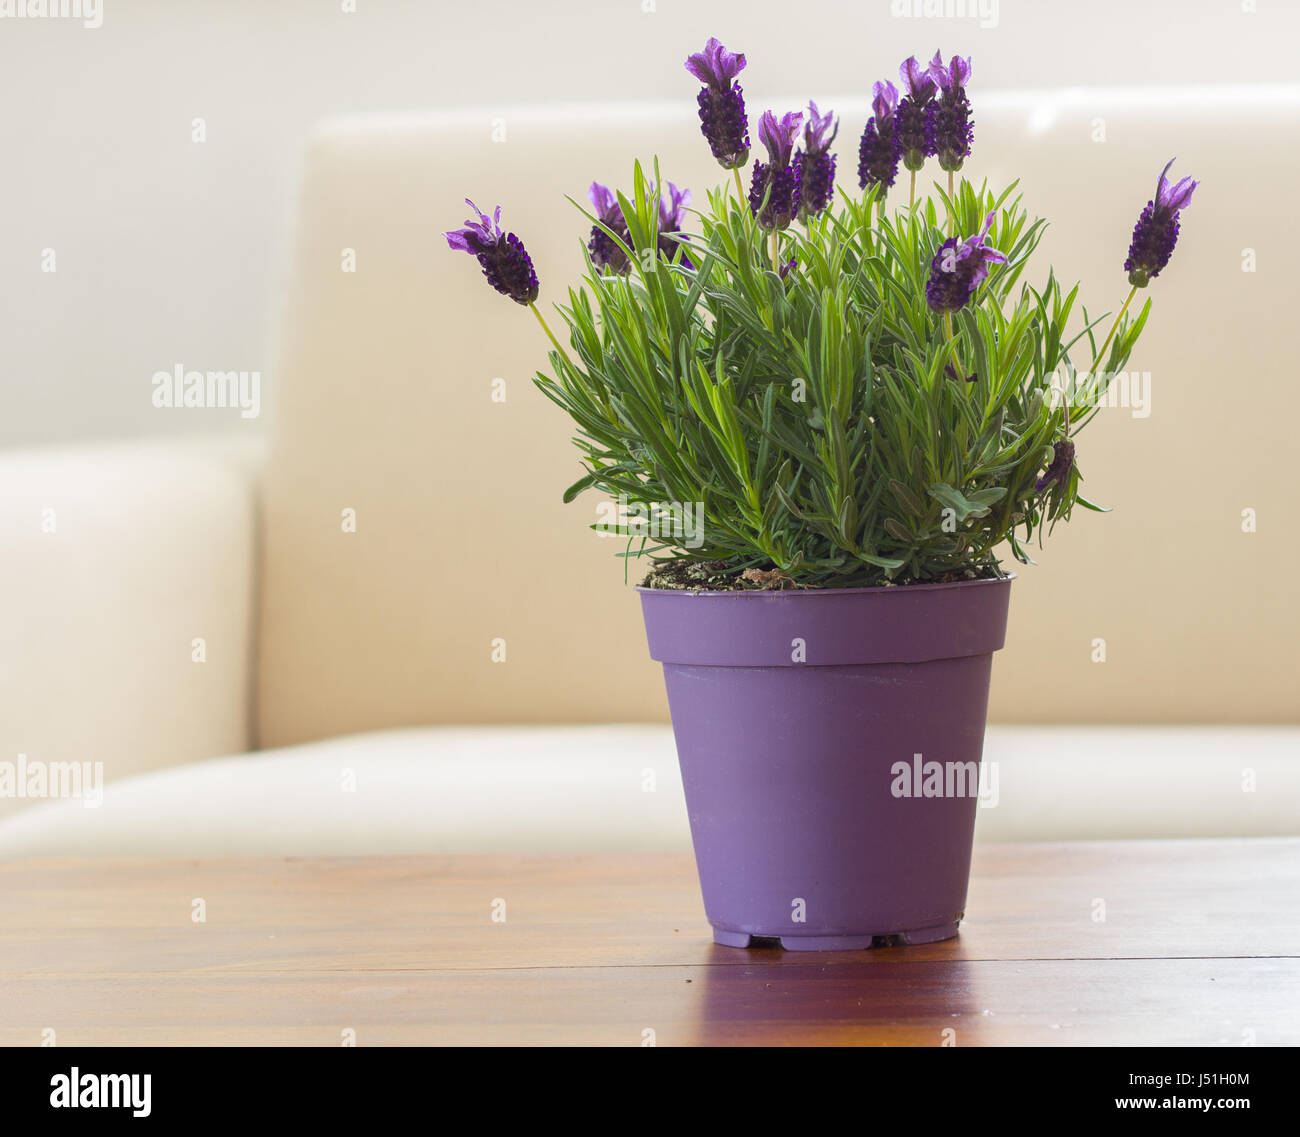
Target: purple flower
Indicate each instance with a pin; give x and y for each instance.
(952, 78)
(959, 268)
(820, 130)
(1062, 464)
(948, 124)
(776, 181)
(505, 261)
(912, 115)
(884, 101)
(814, 165)
(920, 87)
(722, 103)
(1177, 196)
(715, 66)
(672, 212)
(880, 148)
(778, 135)
(1156, 232)
(672, 208)
(604, 250)
(603, 200)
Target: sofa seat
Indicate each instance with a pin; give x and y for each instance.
(585, 789)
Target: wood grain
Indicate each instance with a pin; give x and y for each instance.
(1200, 943)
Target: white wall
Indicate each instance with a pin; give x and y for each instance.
(169, 251)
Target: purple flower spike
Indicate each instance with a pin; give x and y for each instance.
(948, 123)
(911, 118)
(604, 250)
(814, 165)
(1062, 464)
(1156, 232)
(959, 268)
(722, 103)
(672, 213)
(776, 180)
(505, 261)
(881, 147)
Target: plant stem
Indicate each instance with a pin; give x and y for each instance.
(950, 183)
(950, 348)
(776, 251)
(911, 193)
(1101, 355)
(549, 333)
(740, 187)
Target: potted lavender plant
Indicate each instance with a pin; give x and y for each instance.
(823, 421)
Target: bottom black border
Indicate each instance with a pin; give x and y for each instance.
(780, 1085)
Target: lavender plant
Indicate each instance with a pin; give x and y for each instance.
(855, 395)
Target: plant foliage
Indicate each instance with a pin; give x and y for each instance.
(832, 425)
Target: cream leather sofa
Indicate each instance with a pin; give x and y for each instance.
(255, 676)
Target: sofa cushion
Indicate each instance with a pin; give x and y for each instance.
(599, 789)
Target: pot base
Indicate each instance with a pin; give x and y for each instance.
(836, 943)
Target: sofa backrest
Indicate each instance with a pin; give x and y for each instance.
(468, 592)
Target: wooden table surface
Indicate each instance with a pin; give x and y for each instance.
(1200, 944)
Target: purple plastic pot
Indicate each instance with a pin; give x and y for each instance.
(799, 717)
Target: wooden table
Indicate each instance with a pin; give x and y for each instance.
(1200, 944)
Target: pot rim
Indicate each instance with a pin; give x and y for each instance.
(900, 589)
(898, 624)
